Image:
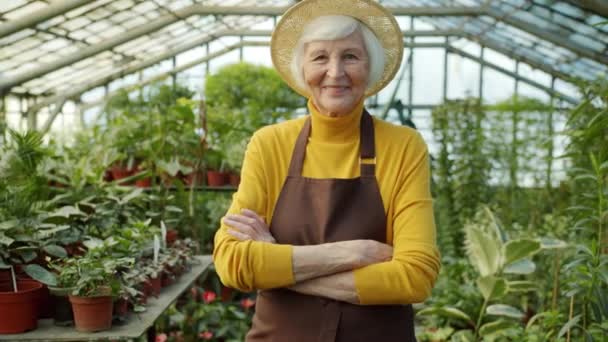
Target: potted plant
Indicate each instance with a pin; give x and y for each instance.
(18, 312)
(94, 282)
(214, 162)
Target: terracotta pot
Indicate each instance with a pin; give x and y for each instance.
(18, 312)
(62, 308)
(234, 180)
(171, 237)
(216, 178)
(167, 278)
(92, 313)
(155, 285)
(144, 182)
(120, 172)
(195, 178)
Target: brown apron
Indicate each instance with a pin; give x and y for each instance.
(315, 211)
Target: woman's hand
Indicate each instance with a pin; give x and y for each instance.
(248, 226)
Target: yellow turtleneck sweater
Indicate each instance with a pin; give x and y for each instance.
(402, 172)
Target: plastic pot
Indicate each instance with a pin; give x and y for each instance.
(92, 313)
(18, 311)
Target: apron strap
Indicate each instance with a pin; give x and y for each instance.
(367, 149)
(299, 151)
(368, 145)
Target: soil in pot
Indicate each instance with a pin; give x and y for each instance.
(92, 313)
(18, 312)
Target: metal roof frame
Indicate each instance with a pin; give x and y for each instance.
(467, 17)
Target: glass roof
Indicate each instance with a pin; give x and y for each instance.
(100, 37)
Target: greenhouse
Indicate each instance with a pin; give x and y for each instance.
(142, 162)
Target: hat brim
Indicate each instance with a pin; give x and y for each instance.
(379, 20)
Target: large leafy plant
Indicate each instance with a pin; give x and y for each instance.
(499, 262)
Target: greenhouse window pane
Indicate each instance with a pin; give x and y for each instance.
(526, 90)
(121, 5)
(6, 6)
(463, 77)
(496, 86)
(428, 76)
(26, 10)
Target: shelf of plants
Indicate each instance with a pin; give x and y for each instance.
(135, 324)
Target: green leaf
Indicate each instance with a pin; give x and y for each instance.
(521, 286)
(519, 249)
(67, 211)
(571, 323)
(463, 336)
(172, 168)
(56, 251)
(551, 243)
(524, 266)
(26, 255)
(445, 311)
(492, 287)
(135, 193)
(484, 251)
(42, 275)
(494, 327)
(504, 310)
(5, 240)
(6, 225)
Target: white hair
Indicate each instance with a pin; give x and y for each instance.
(331, 27)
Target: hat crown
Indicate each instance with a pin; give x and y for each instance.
(377, 18)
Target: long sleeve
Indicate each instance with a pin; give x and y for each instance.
(409, 277)
(250, 265)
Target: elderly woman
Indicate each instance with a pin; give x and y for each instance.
(333, 220)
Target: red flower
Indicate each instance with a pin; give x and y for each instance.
(161, 338)
(247, 303)
(206, 335)
(208, 296)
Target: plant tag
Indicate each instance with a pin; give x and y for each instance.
(156, 249)
(163, 234)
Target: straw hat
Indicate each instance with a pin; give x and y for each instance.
(379, 20)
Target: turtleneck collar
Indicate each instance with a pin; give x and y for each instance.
(335, 129)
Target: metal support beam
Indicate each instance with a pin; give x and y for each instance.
(52, 116)
(549, 36)
(174, 71)
(481, 67)
(498, 47)
(445, 71)
(513, 75)
(33, 19)
(598, 6)
(198, 9)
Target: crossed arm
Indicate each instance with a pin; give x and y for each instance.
(324, 270)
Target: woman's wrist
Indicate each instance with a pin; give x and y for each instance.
(320, 260)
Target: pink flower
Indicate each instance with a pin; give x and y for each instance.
(208, 296)
(206, 335)
(247, 303)
(161, 338)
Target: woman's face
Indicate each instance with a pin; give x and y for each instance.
(336, 71)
